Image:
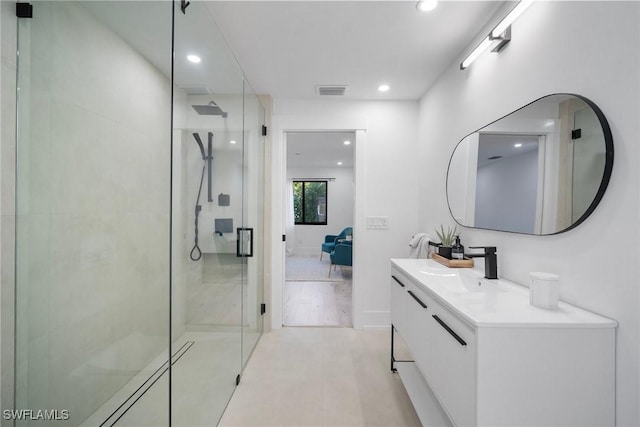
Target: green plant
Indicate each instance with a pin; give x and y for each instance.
(448, 236)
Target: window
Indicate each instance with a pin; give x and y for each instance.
(310, 202)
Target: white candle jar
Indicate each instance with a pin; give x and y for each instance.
(544, 291)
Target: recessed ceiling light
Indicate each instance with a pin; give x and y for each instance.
(194, 58)
(232, 142)
(347, 142)
(517, 145)
(339, 163)
(427, 5)
(383, 88)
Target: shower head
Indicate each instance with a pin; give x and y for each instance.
(199, 141)
(210, 109)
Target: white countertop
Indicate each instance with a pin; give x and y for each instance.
(492, 303)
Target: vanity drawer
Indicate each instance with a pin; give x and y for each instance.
(420, 328)
(398, 284)
(453, 365)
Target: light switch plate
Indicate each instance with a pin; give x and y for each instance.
(378, 222)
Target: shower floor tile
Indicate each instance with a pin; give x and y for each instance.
(202, 382)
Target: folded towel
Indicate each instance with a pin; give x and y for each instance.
(419, 245)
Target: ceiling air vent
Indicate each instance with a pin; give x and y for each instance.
(333, 90)
(196, 90)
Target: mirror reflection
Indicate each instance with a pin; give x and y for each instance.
(539, 170)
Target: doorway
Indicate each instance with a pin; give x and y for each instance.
(319, 218)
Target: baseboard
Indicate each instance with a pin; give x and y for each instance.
(375, 320)
(376, 328)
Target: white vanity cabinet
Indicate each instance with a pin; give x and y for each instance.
(399, 303)
(491, 359)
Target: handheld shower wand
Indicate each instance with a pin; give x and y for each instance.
(199, 141)
(196, 253)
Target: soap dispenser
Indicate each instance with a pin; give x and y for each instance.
(457, 250)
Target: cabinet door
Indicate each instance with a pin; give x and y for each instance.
(419, 327)
(399, 302)
(453, 365)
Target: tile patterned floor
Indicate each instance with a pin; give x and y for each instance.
(203, 381)
(320, 377)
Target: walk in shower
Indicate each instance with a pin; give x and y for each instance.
(118, 319)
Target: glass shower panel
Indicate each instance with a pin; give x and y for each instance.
(588, 161)
(93, 211)
(208, 207)
(253, 208)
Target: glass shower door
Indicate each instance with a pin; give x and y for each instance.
(588, 161)
(210, 161)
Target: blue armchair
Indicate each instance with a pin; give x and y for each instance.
(341, 255)
(330, 241)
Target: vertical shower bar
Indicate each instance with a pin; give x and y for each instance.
(209, 164)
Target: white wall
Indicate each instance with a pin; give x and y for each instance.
(588, 48)
(386, 175)
(506, 193)
(306, 239)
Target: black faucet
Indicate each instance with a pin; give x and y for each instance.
(490, 260)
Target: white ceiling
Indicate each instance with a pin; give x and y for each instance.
(319, 149)
(286, 48)
(503, 145)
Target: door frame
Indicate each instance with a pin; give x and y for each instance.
(281, 125)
